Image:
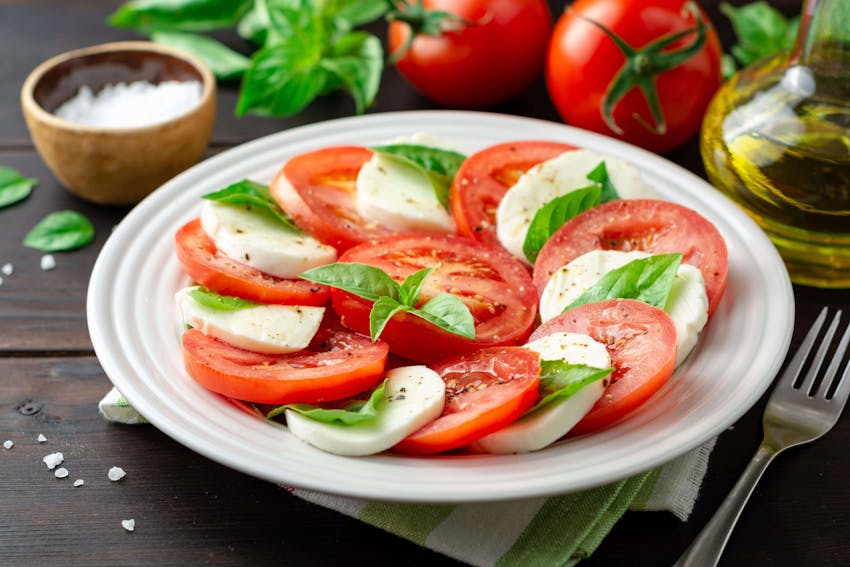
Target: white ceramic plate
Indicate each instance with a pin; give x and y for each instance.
(133, 327)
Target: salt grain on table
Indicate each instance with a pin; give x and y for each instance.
(8, 444)
(61, 472)
(128, 525)
(53, 460)
(41, 438)
(7, 269)
(48, 262)
(79, 482)
(125, 105)
(116, 473)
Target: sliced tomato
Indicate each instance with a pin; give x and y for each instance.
(641, 340)
(485, 391)
(202, 261)
(485, 176)
(318, 190)
(337, 364)
(653, 226)
(495, 286)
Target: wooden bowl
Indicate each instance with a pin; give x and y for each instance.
(116, 166)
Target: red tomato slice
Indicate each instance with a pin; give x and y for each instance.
(641, 340)
(485, 391)
(318, 190)
(208, 267)
(495, 286)
(337, 364)
(484, 178)
(654, 226)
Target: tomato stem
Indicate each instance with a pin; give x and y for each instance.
(643, 65)
(421, 21)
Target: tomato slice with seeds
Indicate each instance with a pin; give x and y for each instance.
(494, 285)
(650, 225)
(485, 176)
(318, 189)
(485, 391)
(337, 364)
(202, 261)
(641, 340)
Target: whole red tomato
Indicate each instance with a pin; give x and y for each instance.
(490, 52)
(641, 71)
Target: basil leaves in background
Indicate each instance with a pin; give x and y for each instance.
(305, 48)
(212, 300)
(14, 187)
(247, 192)
(62, 230)
(438, 165)
(373, 284)
(761, 30)
(559, 380)
(352, 415)
(646, 279)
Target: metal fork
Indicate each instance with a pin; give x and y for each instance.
(796, 413)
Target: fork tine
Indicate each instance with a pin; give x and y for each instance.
(842, 388)
(808, 384)
(793, 370)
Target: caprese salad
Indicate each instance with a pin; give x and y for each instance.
(410, 298)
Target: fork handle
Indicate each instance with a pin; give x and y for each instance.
(709, 544)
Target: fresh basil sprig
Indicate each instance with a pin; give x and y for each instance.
(59, 231)
(212, 300)
(761, 30)
(443, 310)
(552, 216)
(14, 187)
(559, 380)
(224, 62)
(438, 165)
(355, 413)
(247, 192)
(645, 279)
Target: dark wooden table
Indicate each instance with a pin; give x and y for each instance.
(190, 510)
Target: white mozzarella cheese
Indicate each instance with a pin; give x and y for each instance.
(546, 425)
(398, 196)
(554, 178)
(414, 396)
(687, 304)
(257, 239)
(271, 329)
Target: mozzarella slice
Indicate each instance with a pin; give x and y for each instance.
(553, 178)
(255, 238)
(546, 425)
(687, 304)
(270, 329)
(400, 197)
(414, 396)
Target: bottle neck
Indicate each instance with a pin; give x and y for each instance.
(823, 41)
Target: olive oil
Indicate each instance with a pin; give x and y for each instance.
(776, 139)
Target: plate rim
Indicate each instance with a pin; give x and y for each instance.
(648, 162)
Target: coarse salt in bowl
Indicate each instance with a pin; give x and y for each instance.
(115, 121)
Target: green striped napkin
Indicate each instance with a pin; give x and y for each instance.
(554, 531)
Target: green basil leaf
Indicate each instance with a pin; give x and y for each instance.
(62, 230)
(600, 175)
(646, 279)
(184, 15)
(14, 187)
(288, 19)
(254, 25)
(224, 62)
(356, 62)
(412, 287)
(559, 380)
(439, 165)
(362, 280)
(352, 13)
(247, 192)
(212, 300)
(382, 311)
(449, 313)
(552, 216)
(761, 30)
(352, 415)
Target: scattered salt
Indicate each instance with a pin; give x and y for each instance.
(61, 472)
(128, 525)
(8, 444)
(42, 438)
(79, 482)
(48, 262)
(125, 105)
(116, 473)
(53, 460)
(7, 269)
